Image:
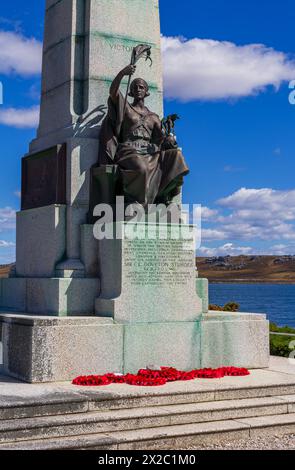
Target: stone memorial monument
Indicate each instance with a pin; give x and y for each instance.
(78, 305)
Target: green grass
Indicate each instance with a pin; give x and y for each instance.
(278, 329)
(280, 345)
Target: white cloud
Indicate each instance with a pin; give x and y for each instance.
(7, 218)
(213, 234)
(7, 252)
(5, 244)
(236, 250)
(207, 213)
(254, 215)
(260, 205)
(19, 55)
(22, 118)
(224, 250)
(205, 69)
(34, 92)
(282, 249)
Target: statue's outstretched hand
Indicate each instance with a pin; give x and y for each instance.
(129, 70)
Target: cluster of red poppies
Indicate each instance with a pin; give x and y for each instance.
(151, 378)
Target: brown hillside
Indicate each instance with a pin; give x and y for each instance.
(272, 269)
(4, 270)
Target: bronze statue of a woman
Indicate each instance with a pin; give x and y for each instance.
(150, 164)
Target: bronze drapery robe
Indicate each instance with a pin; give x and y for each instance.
(134, 142)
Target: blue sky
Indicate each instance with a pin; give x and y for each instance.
(236, 128)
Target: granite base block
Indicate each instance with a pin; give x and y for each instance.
(240, 340)
(44, 349)
(175, 344)
(47, 349)
(56, 297)
(89, 251)
(202, 288)
(13, 294)
(235, 339)
(150, 277)
(40, 240)
(81, 156)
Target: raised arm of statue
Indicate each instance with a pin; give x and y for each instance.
(115, 86)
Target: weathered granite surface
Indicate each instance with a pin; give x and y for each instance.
(13, 294)
(89, 251)
(74, 82)
(202, 286)
(82, 154)
(15, 394)
(40, 240)
(148, 279)
(51, 296)
(147, 286)
(85, 45)
(55, 349)
(59, 349)
(175, 344)
(239, 339)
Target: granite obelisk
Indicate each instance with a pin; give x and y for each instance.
(135, 303)
(85, 43)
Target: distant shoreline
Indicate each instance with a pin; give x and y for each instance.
(276, 270)
(251, 281)
(244, 269)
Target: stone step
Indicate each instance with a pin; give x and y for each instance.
(60, 403)
(166, 397)
(167, 437)
(15, 409)
(142, 418)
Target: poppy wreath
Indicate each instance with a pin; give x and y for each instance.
(153, 378)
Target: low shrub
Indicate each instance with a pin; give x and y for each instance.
(279, 345)
(229, 307)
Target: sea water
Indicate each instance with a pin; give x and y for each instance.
(276, 300)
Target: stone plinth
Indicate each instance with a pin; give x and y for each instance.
(235, 339)
(40, 240)
(38, 349)
(202, 286)
(175, 344)
(46, 349)
(49, 296)
(150, 278)
(215, 340)
(89, 251)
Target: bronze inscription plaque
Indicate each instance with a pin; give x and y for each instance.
(44, 178)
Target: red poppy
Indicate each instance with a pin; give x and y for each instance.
(153, 378)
